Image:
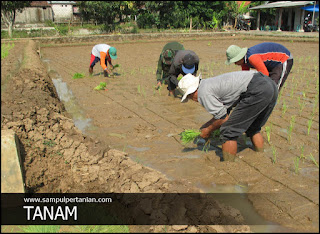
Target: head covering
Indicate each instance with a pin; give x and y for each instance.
(167, 56)
(235, 53)
(188, 84)
(113, 52)
(188, 65)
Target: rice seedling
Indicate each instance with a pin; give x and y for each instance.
(189, 135)
(284, 108)
(302, 152)
(291, 93)
(280, 95)
(304, 93)
(309, 125)
(274, 153)
(139, 91)
(209, 44)
(301, 107)
(296, 165)
(78, 76)
(101, 86)
(313, 160)
(268, 131)
(289, 131)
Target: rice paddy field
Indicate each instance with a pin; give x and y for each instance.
(281, 184)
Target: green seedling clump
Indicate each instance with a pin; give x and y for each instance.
(78, 76)
(115, 66)
(189, 135)
(101, 86)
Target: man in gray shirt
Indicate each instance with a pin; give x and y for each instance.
(184, 62)
(251, 94)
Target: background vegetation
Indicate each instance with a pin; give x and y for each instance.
(143, 16)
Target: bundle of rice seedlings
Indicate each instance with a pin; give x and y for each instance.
(115, 66)
(101, 86)
(78, 76)
(189, 135)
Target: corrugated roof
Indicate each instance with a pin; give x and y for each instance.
(62, 2)
(39, 4)
(282, 4)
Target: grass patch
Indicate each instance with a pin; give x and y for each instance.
(78, 76)
(5, 49)
(40, 228)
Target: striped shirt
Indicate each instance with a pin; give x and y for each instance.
(266, 56)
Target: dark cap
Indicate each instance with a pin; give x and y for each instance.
(188, 65)
(167, 57)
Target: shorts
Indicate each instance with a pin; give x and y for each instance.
(94, 60)
(277, 74)
(253, 109)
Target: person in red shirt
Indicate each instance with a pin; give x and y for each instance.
(269, 58)
(103, 53)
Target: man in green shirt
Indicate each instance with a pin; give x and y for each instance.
(165, 60)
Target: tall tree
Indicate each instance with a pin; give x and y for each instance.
(9, 10)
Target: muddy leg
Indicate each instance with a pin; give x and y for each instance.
(257, 141)
(229, 150)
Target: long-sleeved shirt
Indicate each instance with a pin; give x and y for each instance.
(101, 51)
(176, 66)
(217, 94)
(265, 56)
(164, 68)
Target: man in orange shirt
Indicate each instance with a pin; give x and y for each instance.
(103, 53)
(269, 58)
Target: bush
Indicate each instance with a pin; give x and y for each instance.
(147, 20)
(62, 29)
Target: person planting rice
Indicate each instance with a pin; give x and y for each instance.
(249, 93)
(271, 59)
(165, 60)
(103, 53)
(184, 62)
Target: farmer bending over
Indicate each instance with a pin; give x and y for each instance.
(103, 53)
(165, 60)
(185, 61)
(250, 93)
(271, 59)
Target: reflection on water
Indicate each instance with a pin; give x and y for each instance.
(69, 101)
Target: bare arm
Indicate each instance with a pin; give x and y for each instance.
(212, 125)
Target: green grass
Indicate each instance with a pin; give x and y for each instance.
(40, 228)
(102, 229)
(5, 49)
(78, 76)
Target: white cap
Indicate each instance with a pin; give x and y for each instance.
(188, 84)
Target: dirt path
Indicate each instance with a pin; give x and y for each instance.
(131, 116)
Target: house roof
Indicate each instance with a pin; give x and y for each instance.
(282, 4)
(62, 2)
(39, 4)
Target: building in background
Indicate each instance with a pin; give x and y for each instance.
(290, 14)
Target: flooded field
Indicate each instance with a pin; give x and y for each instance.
(131, 116)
